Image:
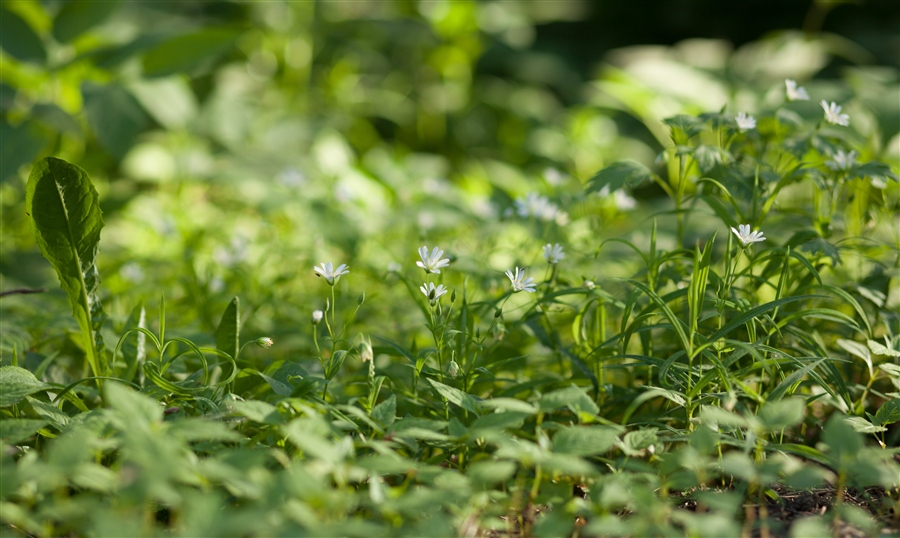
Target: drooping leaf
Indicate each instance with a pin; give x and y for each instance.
(229, 330)
(65, 211)
(17, 383)
(77, 16)
(617, 175)
(456, 396)
(185, 53)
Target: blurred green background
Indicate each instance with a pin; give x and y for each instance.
(237, 144)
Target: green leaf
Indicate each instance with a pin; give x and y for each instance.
(65, 210)
(573, 397)
(881, 349)
(776, 415)
(888, 413)
(21, 144)
(617, 175)
(684, 127)
(862, 425)
(257, 411)
(585, 440)
(77, 16)
(456, 396)
(17, 383)
(16, 430)
(186, 53)
(229, 330)
(19, 40)
(114, 115)
(132, 408)
(708, 157)
(499, 421)
(491, 472)
(385, 412)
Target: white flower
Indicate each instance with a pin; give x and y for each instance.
(519, 282)
(433, 292)
(833, 114)
(746, 236)
(624, 202)
(541, 208)
(553, 253)
(317, 316)
(432, 263)
(842, 161)
(794, 92)
(589, 284)
(330, 273)
(745, 121)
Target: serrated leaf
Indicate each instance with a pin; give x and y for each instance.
(880, 349)
(862, 425)
(65, 211)
(617, 175)
(456, 396)
(185, 53)
(17, 383)
(229, 330)
(684, 127)
(584, 441)
(16, 430)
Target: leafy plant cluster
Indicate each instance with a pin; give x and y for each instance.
(663, 349)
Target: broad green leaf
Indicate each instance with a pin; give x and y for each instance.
(617, 175)
(844, 443)
(684, 127)
(714, 417)
(385, 412)
(17, 383)
(888, 413)
(881, 349)
(491, 472)
(65, 211)
(170, 101)
(229, 330)
(776, 415)
(199, 429)
(77, 16)
(132, 408)
(456, 396)
(499, 421)
(572, 397)
(19, 40)
(114, 115)
(585, 440)
(257, 411)
(50, 413)
(185, 53)
(16, 430)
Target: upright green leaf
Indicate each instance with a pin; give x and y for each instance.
(65, 211)
(229, 330)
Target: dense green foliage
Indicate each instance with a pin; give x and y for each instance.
(640, 303)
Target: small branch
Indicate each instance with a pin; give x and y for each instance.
(22, 291)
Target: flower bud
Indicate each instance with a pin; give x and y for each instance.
(317, 316)
(453, 297)
(265, 342)
(453, 369)
(498, 312)
(361, 299)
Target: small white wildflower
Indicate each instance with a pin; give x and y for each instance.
(794, 92)
(432, 263)
(746, 236)
(745, 121)
(553, 253)
(842, 161)
(833, 114)
(541, 208)
(366, 354)
(433, 292)
(624, 202)
(317, 317)
(519, 282)
(330, 273)
(589, 284)
(265, 342)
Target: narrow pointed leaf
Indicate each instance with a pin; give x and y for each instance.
(229, 330)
